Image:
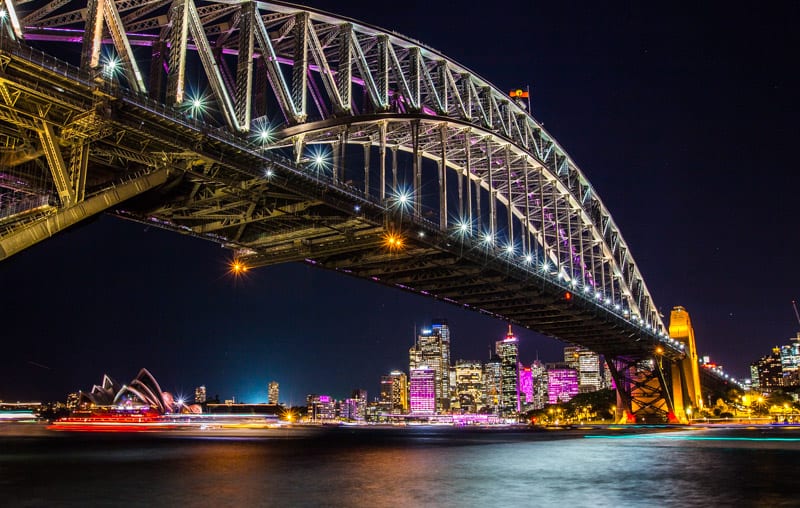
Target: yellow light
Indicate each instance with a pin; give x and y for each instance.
(393, 241)
(659, 350)
(238, 267)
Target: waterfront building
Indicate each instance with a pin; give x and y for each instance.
(587, 364)
(200, 396)
(321, 408)
(432, 350)
(562, 383)
(422, 390)
(273, 390)
(492, 380)
(508, 351)
(468, 383)
(539, 374)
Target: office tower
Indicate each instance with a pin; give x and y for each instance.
(394, 393)
(587, 364)
(433, 351)
(539, 374)
(468, 391)
(525, 386)
(507, 350)
(422, 390)
(562, 383)
(492, 381)
(273, 390)
(200, 395)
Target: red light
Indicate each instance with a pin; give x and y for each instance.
(567, 296)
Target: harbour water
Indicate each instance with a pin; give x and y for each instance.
(422, 466)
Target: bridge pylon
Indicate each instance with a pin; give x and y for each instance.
(685, 372)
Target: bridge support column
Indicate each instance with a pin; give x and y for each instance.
(642, 391)
(686, 372)
(35, 232)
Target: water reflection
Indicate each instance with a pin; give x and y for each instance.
(371, 468)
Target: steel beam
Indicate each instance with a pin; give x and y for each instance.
(31, 234)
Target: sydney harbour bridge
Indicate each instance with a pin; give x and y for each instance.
(289, 134)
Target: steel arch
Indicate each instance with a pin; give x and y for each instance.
(312, 64)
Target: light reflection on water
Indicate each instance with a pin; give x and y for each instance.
(412, 467)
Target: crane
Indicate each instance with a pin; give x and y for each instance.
(796, 314)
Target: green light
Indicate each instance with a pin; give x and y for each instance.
(695, 438)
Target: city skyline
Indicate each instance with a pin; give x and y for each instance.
(680, 181)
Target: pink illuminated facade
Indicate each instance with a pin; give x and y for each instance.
(422, 391)
(562, 384)
(526, 385)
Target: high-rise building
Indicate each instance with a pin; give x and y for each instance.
(394, 393)
(200, 395)
(468, 393)
(790, 361)
(770, 371)
(508, 351)
(539, 374)
(562, 383)
(525, 386)
(433, 351)
(422, 390)
(587, 364)
(273, 390)
(492, 384)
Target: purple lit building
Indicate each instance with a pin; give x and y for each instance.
(422, 390)
(562, 383)
(526, 385)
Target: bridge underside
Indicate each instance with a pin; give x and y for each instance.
(73, 144)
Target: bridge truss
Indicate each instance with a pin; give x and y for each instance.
(319, 139)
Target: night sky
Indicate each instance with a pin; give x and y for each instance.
(683, 117)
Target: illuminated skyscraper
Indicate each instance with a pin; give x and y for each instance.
(539, 374)
(200, 394)
(273, 389)
(433, 351)
(562, 383)
(394, 392)
(587, 364)
(492, 384)
(422, 391)
(508, 351)
(468, 386)
(525, 386)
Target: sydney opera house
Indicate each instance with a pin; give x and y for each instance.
(143, 392)
(136, 406)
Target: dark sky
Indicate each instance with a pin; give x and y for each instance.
(683, 117)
